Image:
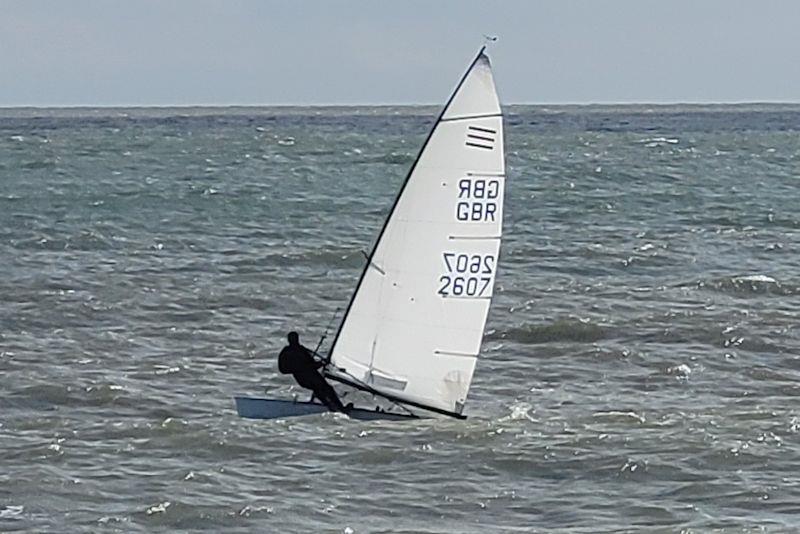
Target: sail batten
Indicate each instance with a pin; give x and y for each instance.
(413, 329)
(468, 117)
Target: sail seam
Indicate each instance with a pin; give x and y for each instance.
(487, 174)
(467, 117)
(474, 237)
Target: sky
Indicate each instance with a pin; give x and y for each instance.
(315, 52)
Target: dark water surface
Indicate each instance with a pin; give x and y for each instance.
(640, 371)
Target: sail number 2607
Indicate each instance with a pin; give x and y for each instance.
(467, 275)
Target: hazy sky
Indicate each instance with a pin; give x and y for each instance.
(192, 52)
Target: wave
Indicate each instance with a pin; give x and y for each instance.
(392, 158)
(327, 257)
(757, 284)
(570, 330)
(45, 397)
(38, 164)
(42, 396)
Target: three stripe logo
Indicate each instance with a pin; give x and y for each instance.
(480, 137)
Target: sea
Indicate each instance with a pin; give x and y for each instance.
(640, 370)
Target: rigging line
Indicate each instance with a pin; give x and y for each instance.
(409, 412)
(403, 408)
(397, 200)
(327, 328)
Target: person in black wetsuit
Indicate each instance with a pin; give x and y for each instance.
(298, 361)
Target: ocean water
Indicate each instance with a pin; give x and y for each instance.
(640, 369)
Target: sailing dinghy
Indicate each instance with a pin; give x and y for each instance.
(412, 331)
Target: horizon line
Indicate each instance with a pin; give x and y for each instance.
(608, 103)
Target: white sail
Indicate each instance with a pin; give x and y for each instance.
(414, 327)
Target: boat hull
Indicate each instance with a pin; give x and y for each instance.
(261, 408)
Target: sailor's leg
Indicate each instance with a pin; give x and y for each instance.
(322, 395)
(326, 393)
(333, 398)
(308, 381)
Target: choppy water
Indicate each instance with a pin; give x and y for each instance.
(641, 367)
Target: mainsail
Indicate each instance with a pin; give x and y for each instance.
(413, 329)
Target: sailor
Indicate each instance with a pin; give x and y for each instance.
(298, 361)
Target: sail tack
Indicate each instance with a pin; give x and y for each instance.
(413, 329)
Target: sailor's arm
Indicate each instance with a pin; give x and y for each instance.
(314, 358)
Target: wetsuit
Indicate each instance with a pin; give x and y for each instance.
(295, 359)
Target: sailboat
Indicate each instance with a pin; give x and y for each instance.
(411, 333)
